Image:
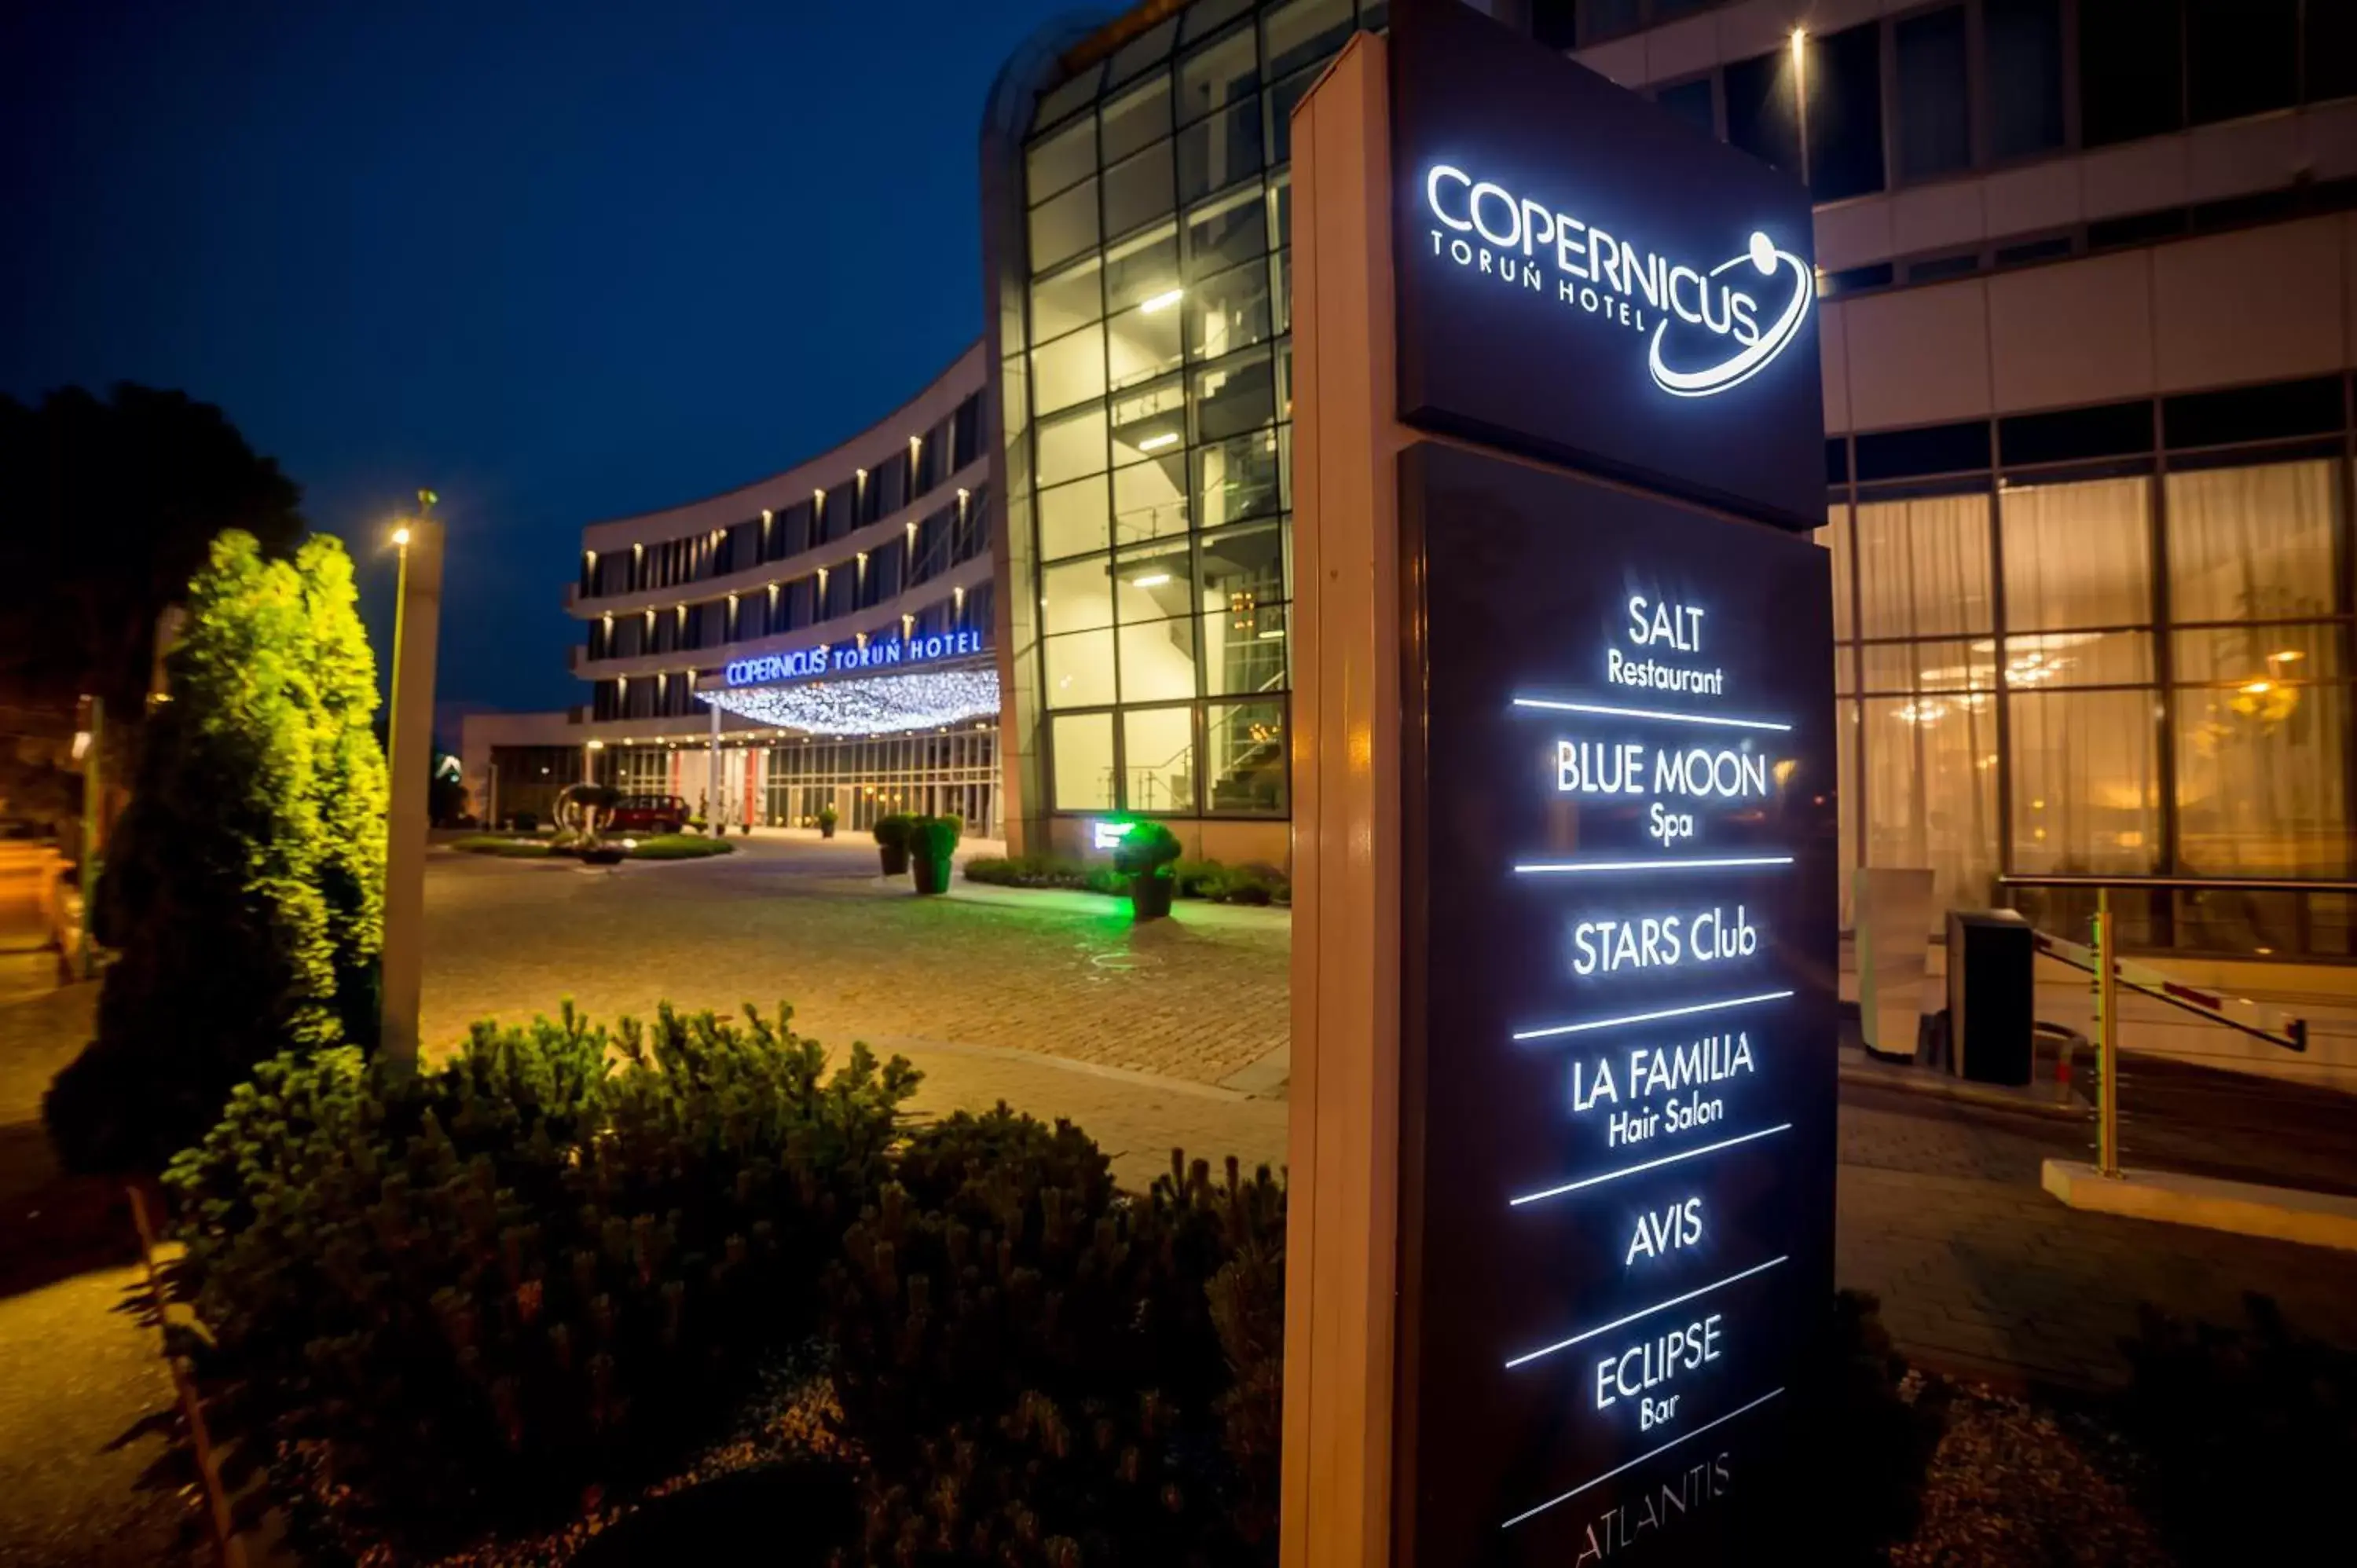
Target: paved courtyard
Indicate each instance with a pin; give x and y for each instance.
(1151, 1036)
(1198, 998)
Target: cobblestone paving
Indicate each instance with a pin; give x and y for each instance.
(1940, 1213)
(1942, 1216)
(812, 927)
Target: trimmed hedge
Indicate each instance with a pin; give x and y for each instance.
(1253, 882)
(657, 846)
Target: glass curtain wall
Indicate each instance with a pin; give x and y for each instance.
(1153, 391)
(2135, 670)
(950, 772)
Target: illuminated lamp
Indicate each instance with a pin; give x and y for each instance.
(886, 704)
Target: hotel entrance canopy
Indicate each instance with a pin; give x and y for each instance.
(864, 690)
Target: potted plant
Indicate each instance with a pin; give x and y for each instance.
(827, 817)
(1146, 855)
(892, 840)
(931, 840)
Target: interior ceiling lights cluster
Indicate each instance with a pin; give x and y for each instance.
(878, 704)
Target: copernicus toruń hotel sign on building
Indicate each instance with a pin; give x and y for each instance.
(2085, 335)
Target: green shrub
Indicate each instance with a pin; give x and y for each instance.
(1197, 878)
(244, 882)
(892, 831)
(828, 816)
(1026, 1354)
(1146, 850)
(549, 1264)
(932, 838)
(1255, 882)
(1029, 871)
(1102, 876)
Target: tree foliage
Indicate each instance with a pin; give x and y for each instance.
(107, 507)
(244, 883)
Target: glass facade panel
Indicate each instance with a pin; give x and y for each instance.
(1218, 75)
(1063, 226)
(1923, 566)
(1157, 661)
(1144, 343)
(1080, 670)
(1138, 117)
(1150, 419)
(1237, 479)
(1233, 396)
(1230, 227)
(1141, 268)
(1228, 311)
(1075, 597)
(1294, 33)
(1244, 648)
(2024, 98)
(1158, 759)
(2077, 554)
(2261, 781)
(1071, 444)
(1149, 499)
(1081, 745)
(1069, 370)
(2085, 784)
(1245, 747)
(2251, 543)
(1219, 149)
(1061, 159)
(1153, 582)
(1934, 95)
(1138, 188)
(1931, 791)
(1072, 518)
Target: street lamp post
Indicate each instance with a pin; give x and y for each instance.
(417, 618)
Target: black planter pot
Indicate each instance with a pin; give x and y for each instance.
(933, 876)
(1150, 896)
(895, 858)
(826, 829)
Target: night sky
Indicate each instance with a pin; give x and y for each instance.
(556, 262)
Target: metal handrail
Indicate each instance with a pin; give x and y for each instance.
(2183, 884)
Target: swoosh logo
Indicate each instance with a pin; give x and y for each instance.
(1712, 379)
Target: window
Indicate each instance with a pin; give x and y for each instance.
(1692, 102)
(1923, 566)
(1219, 149)
(1236, 480)
(1144, 342)
(1149, 499)
(2328, 51)
(1761, 118)
(1935, 129)
(1298, 33)
(1158, 759)
(2251, 543)
(1845, 120)
(1062, 159)
(1245, 752)
(2129, 69)
(1141, 268)
(2024, 43)
(1076, 596)
(1228, 312)
(1064, 225)
(1555, 23)
(1080, 670)
(1233, 396)
(1138, 189)
(1082, 746)
(1218, 75)
(1071, 444)
(1138, 118)
(1157, 660)
(2241, 57)
(1228, 228)
(2086, 790)
(1069, 370)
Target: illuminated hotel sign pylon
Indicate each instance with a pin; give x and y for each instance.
(1564, 875)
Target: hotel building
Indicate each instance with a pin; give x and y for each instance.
(820, 637)
(2088, 279)
(2089, 284)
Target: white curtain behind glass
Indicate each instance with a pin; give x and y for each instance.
(2251, 543)
(1923, 566)
(2077, 554)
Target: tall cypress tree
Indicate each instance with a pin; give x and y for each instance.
(243, 886)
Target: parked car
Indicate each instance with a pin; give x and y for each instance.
(649, 814)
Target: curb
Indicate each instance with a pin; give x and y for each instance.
(2276, 1213)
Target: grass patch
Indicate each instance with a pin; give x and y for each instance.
(656, 846)
(678, 846)
(500, 844)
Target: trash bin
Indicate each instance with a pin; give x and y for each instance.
(1991, 1000)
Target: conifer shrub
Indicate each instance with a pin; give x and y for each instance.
(469, 1295)
(1036, 1365)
